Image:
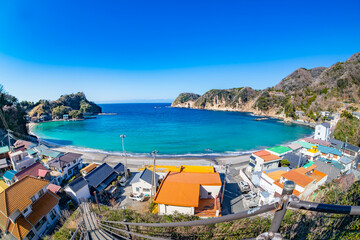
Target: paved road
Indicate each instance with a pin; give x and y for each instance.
(91, 224)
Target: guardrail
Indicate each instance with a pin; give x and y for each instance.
(281, 205)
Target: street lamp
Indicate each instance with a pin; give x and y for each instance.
(124, 153)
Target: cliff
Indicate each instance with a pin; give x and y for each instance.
(76, 105)
(307, 90)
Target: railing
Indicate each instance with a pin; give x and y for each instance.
(81, 232)
(281, 204)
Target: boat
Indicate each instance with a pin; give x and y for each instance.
(261, 119)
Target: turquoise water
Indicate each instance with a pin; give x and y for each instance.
(170, 130)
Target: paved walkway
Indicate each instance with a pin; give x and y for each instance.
(94, 232)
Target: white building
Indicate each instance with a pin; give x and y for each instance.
(21, 160)
(189, 193)
(65, 166)
(78, 190)
(322, 131)
(142, 182)
(263, 160)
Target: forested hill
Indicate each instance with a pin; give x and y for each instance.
(76, 105)
(307, 90)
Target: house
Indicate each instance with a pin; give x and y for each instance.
(329, 152)
(351, 150)
(9, 177)
(36, 170)
(295, 160)
(325, 113)
(306, 180)
(65, 166)
(322, 131)
(27, 209)
(53, 188)
(162, 170)
(295, 146)
(263, 160)
(46, 154)
(66, 116)
(120, 169)
(189, 193)
(346, 162)
(143, 182)
(101, 177)
(256, 176)
(300, 114)
(21, 160)
(23, 144)
(84, 171)
(317, 141)
(279, 150)
(5, 163)
(336, 143)
(329, 169)
(312, 154)
(78, 189)
(305, 145)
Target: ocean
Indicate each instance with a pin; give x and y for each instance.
(170, 131)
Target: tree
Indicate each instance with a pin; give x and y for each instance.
(75, 114)
(285, 163)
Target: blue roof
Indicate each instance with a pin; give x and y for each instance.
(328, 150)
(77, 184)
(120, 168)
(99, 175)
(9, 174)
(345, 160)
(352, 147)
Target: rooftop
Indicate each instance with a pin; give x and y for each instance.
(267, 156)
(89, 168)
(78, 184)
(4, 149)
(329, 150)
(279, 149)
(317, 141)
(32, 170)
(146, 175)
(64, 160)
(99, 175)
(182, 168)
(23, 143)
(3, 186)
(9, 174)
(304, 144)
(183, 189)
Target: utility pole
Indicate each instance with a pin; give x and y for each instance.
(124, 153)
(223, 190)
(153, 189)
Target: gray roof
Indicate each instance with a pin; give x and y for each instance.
(327, 125)
(78, 184)
(337, 143)
(64, 160)
(328, 169)
(352, 147)
(295, 159)
(345, 160)
(295, 146)
(145, 175)
(100, 175)
(120, 168)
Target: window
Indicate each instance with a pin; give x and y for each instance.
(137, 189)
(41, 192)
(40, 223)
(53, 214)
(146, 189)
(33, 198)
(30, 235)
(25, 210)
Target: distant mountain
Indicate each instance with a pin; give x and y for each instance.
(76, 105)
(307, 90)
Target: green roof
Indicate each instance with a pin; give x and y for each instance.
(31, 151)
(305, 144)
(279, 149)
(308, 164)
(4, 149)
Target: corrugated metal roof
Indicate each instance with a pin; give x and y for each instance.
(78, 184)
(4, 149)
(99, 175)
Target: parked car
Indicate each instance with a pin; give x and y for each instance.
(244, 187)
(249, 196)
(138, 197)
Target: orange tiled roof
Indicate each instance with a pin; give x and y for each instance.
(42, 207)
(21, 228)
(183, 188)
(266, 156)
(18, 195)
(276, 175)
(298, 177)
(89, 167)
(295, 192)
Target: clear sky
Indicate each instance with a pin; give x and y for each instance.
(153, 50)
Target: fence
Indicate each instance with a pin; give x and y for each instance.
(286, 201)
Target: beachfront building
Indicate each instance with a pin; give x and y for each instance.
(296, 160)
(46, 154)
(295, 147)
(279, 150)
(9, 177)
(331, 169)
(101, 177)
(23, 145)
(322, 131)
(78, 190)
(189, 193)
(317, 141)
(86, 170)
(162, 170)
(143, 182)
(21, 160)
(36, 170)
(312, 154)
(330, 153)
(65, 166)
(5, 163)
(346, 162)
(28, 209)
(263, 160)
(346, 148)
(306, 180)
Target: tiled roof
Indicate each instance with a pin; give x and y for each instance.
(32, 170)
(183, 189)
(145, 175)
(3, 186)
(9, 174)
(295, 159)
(78, 184)
(182, 168)
(295, 146)
(89, 168)
(317, 141)
(18, 195)
(327, 150)
(23, 143)
(328, 169)
(298, 178)
(276, 175)
(99, 175)
(267, 156)
(53, 188)
(120, 168)
(64, 160)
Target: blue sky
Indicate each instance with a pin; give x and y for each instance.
(149, 50)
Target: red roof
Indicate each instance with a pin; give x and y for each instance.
(317, 141)
(22, 143)
(53, 188)
(32, 170)
(42, 172)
